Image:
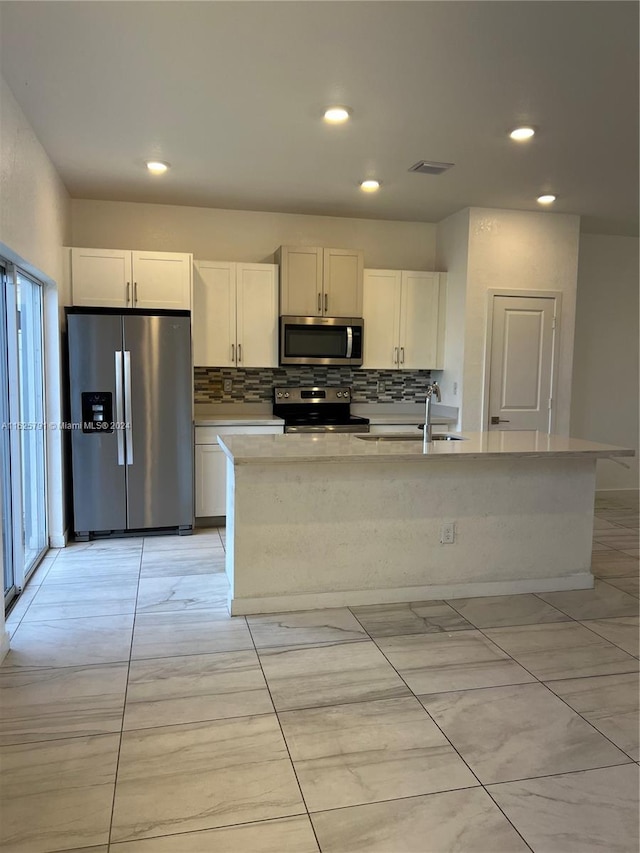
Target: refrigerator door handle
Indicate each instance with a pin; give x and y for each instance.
(127, 406)
(119, 408)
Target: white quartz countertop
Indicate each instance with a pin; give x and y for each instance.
(243, 450)
(260, 414)
(404, 413)
(234, 414)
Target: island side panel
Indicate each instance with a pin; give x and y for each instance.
(314, 534)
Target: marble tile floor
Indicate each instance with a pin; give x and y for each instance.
(136, 716)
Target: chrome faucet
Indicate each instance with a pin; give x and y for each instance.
(432, 389)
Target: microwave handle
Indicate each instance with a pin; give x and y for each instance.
(349, 341)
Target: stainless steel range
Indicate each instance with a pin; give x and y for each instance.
(317, 410)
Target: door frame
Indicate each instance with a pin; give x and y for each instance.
(556, 295)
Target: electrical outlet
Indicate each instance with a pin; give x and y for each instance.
(455, 388)
(381, 387)
(447, 533)
(227, 386)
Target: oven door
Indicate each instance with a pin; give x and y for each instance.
(321, 340)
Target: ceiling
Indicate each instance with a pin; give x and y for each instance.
(231, 94)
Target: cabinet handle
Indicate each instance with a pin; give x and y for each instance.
(128, 292)
(326, 303)
(319, 303)
(233, 353)
(239, 353)
(395, 355)
(401, 355)
(135, 293)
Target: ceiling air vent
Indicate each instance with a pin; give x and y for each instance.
(430, 167)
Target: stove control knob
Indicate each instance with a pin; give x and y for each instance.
(286, 393)
(346, 393)
(279, 393)
(339, 394)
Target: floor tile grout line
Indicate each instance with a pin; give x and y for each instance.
(545, 685)
(192, 832)
(611, 642)
(284, 739)
(124, 710)
(26, 586)
(445, 736)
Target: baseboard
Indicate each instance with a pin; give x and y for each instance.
(395, 595)
(4, 644)
(59, 540)
(622, 494)
(211, 521)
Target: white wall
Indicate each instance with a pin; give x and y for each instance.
(452, 255)
(605, 375)
(34, 226)
(484, 249)
(239, 235)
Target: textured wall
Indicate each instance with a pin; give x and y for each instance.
(246, 235)
(253, 386)
(604, 404)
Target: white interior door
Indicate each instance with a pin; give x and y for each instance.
(521, 364)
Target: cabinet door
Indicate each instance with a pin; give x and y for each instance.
(211, 480)
(342, 282)
(162, 280)
(420, 321)
(101, 278)
(257, 315)
(300, 281)
(381, 313)
(214, 314)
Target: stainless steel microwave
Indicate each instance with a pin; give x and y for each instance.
(321, 340)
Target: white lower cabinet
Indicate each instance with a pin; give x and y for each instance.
(211, 465)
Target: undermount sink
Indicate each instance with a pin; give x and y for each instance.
(409, 437)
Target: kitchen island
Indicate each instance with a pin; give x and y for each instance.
(333, 520)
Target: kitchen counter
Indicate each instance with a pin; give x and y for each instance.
(381, 414)
(260, 414)
(269, 449)
(235, 414)
(335, 521)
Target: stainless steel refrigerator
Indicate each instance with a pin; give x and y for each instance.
(131, 392)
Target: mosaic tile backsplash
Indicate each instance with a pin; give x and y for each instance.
(256, 386)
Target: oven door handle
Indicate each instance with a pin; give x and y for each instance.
(349, 341)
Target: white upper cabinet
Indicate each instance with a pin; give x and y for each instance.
(101, 278)
(119, 278)
(257, 315)
(317, 282)
(213, 320)
(162, 280)
(404, 314)
(235, 314)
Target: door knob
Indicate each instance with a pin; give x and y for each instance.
(496, 420)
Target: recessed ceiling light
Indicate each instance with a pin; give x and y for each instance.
(369, 186)
(522, 133)
(546, 199)
(336, 115)
(157, 167)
